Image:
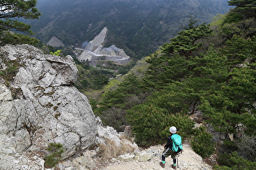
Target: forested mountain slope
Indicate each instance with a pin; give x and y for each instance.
(205, 75)
(137, 26)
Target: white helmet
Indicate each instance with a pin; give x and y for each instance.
(173, 129)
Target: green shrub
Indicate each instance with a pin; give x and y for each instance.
(56, 53)
(151, 124)
(54, 156)
(230, 146)
(235, 162)
(222, 168)
(183, 124)
(247, 147)
(91, 78)
(147, 123)
(202, 143)
(16, 38)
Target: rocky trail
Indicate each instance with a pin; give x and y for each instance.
(149, 160)
(139, 159)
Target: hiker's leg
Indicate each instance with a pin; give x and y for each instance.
(174, 154)
(174, 161)
(165, 154)
(163, 158)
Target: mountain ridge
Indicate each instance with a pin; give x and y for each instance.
(137, 26)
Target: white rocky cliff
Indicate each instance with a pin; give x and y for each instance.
(39, 105)
(95, 51)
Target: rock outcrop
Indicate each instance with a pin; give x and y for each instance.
(39, 105)
(110, 145)
(55, 42)
(96, 53)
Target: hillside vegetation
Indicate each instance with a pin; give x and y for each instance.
(205, 70)
(137, 26)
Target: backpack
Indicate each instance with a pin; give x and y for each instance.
(176, 143)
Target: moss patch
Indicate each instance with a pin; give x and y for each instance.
(10, 72)
(55, 150)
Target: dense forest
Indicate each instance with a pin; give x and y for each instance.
(206, 74)
(137, 26)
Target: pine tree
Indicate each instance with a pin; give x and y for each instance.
(243, 9)
(10, 13)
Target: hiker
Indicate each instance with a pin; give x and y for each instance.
(173, 147)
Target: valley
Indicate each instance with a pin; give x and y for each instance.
(107, 42)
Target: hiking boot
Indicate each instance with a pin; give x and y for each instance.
(162, 164)
(173, 166)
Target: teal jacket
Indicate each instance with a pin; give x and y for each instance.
(174, 142)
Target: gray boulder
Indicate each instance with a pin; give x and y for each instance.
(39, 105)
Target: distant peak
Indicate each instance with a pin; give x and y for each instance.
(98, 40)
(55, 42)
(105, 29)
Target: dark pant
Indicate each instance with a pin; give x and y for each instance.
(167, 152)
